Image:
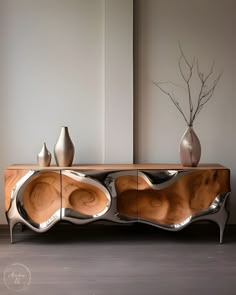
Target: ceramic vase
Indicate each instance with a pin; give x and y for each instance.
(64, 149)
(44, 157)
(190, 148)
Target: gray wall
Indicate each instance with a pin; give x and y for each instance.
(206, 31)
(66, 63)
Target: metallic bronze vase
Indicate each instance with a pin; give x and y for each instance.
(64, 149)
(190, 148)
(44, 157)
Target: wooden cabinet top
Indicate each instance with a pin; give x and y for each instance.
(116, 167)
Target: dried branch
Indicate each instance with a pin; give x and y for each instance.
(172, 83)
(175, 102)
(183, 55)
(203, 98)
(205, 93)
(187, 80)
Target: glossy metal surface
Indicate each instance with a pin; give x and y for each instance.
(190, 148)
(160, 179)
(105, 181)
(75, 216)
(17, 214)
(218, 212)
(109, 182)
(64, 149)
(44, 157)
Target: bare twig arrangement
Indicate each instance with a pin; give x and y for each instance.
(205, 93)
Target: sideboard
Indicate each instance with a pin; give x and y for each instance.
(168, 196)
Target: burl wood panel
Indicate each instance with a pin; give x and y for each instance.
(11, 178)
(82, 197)
(188, 195)
(127, 194)
(130, 182)
(42, 197)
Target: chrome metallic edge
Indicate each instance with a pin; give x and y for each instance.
(168, 177)
(19, 184)
(108, 187)
(217, 212)
(113, 215)
(14, 216)
(82, 177)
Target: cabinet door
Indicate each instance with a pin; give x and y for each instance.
(124, 185)
(173, 198)
(35, 198)
(102, 194)
(12, 176)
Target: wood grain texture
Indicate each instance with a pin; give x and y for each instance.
(130, 182)
(11, 178)
(47, 192)
(83, 197)
(42, 196)
(188, 195)
(127, 194)
(119, 167)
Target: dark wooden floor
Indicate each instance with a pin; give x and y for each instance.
(122, 260)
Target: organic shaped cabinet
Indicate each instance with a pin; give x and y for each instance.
(167, 196)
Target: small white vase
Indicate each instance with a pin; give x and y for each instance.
(190, 148)
(64, 149)
(44, 157)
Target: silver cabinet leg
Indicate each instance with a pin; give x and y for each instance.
(11, 225)
(222, 229)
(218, 212)
(221, 216)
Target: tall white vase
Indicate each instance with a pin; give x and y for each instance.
(64, 149)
